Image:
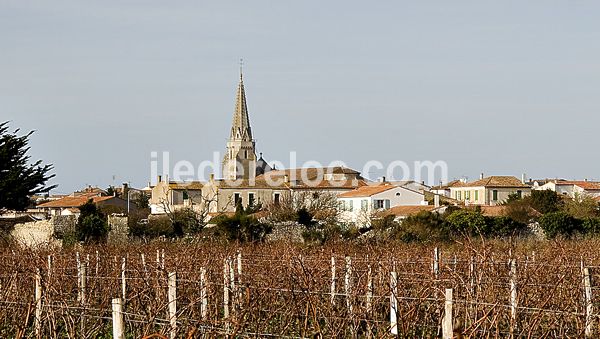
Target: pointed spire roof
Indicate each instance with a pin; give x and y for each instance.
(240, 127)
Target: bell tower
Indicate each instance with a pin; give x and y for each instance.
(239, 161)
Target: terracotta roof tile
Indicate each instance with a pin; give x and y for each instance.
(495, 181)
(404, 211)
(366, 191)
(72, 201)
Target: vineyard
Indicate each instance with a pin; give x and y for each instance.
(180, 290)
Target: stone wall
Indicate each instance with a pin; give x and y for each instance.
(287, 231)
(63, 224)
(36, 234)
(119, 229)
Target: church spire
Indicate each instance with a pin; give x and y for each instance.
(240, 128)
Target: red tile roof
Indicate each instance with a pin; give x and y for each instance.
(73, 201)
(366, 191)
(495, 181)
(404, 211)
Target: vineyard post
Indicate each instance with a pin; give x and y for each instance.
(333, 280)
(589, 307)
(83, 284)
(239, 280)
(348, 284)
(203, 293)
(232, 285)
(447, 331)
(38, 304)
(97, 262)
(49, 267)
(369, 289)
(513, 295)
(436, 261)
(226, 293)
(123, 281)
(144, 265)
(173, 304)
(79, 292)
(393, 303)
(162, 259)
(117, 319)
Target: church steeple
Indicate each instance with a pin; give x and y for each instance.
(240, 127)
(240, 159)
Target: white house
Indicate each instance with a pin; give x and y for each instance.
(358, 205)
(489, 191)
(572, 188)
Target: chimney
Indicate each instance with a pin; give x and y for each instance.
(523, 178)
(436, 201)
(212, 177)
(159, 178)
(383, 179)
(286, 178)
(481, 176)
(423, 182)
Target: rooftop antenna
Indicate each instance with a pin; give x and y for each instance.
(241, 67)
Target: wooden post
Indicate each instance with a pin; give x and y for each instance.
(332, 280)
(97, 262)
(203, 293)
(162, 259)
(173, 304)
(78, 277)
(393, 303)
(123, 281)
(49, 267)
(348, 284)
(447, 330)
(226, 293)
(436, 261)
(117, 319)
(232, 289)
(144, 265)
(83, 284)
(589, 306)
(369, 289)
(239, 279)
(38, 304)
(513, 295)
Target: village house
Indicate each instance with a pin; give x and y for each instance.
(491, 190)
(359, 205)
(70, 205)
(572, 189)
(444, 190)
(168, 196)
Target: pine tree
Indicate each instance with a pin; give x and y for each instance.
(19, 179)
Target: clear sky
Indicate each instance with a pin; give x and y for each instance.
(501, 87)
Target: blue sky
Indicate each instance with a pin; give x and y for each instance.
(499, 87)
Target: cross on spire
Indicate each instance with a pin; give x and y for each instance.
(241, 67)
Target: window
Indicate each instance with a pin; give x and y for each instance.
(364, 204)
(350, 205)
(476, 195)
(378, 204)
(276, 198)
(250, 199)
(245, 154)
(467, 195)
(237, 199)
(387, 204)
(185, 195)
(495, 195)
(458, 195)
(519, 194)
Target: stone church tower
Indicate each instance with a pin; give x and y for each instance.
(239, 161)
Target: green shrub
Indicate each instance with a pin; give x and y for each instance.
(421, 227)
(559, 223)
(467, 222)
(591, 226)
